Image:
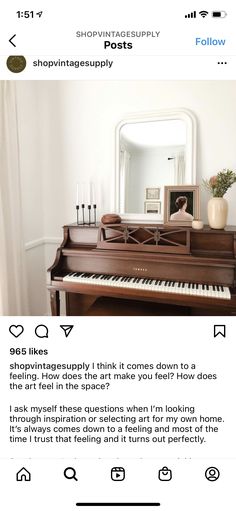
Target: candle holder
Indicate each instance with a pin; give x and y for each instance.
(95, 213)
(91, 214)
(83, 206)
(77, 214)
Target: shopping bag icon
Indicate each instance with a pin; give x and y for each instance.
(165, 474)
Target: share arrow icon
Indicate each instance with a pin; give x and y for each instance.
(67, 329)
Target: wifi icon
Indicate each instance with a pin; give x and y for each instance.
(203, 14)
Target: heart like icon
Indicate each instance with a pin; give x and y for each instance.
(16, 330)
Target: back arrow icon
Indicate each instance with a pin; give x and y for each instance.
(10, 40)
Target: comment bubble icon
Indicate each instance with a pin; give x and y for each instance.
(41, 331)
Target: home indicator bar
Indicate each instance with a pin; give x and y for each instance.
(130, 504)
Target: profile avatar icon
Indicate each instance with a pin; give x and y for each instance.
(212, 474)
(16, 63)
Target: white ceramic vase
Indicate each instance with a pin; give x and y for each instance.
(217, 212)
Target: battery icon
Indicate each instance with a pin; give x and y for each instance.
(219, 14)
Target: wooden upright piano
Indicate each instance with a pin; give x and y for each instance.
(131, 269)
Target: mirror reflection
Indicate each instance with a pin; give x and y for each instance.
(152, 154)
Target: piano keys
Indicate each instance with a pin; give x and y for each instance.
(200, 276)
(146, 284)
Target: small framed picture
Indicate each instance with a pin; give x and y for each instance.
(181, 205)
(152, 207)
(152, 193)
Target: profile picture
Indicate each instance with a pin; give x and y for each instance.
(181, 204)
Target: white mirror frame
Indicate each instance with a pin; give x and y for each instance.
(162, 115)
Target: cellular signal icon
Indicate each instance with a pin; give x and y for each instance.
(203, 14)
(191, 15)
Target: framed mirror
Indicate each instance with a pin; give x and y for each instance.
(153, 151)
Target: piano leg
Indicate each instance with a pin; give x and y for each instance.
(55, 303)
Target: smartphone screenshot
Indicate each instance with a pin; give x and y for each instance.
(117, 255)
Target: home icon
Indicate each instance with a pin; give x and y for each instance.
(23, 475)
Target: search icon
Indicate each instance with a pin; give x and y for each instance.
(70, 473)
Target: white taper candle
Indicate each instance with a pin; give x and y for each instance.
(77, 194)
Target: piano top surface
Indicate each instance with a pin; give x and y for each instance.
(206, 228)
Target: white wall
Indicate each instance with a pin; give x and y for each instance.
(67, 134)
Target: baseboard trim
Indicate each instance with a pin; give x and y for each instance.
(42, 241)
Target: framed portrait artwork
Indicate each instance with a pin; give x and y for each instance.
(152, 207)
(152, 194)
(181, 205)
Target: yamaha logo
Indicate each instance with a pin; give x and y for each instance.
(139, 269)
